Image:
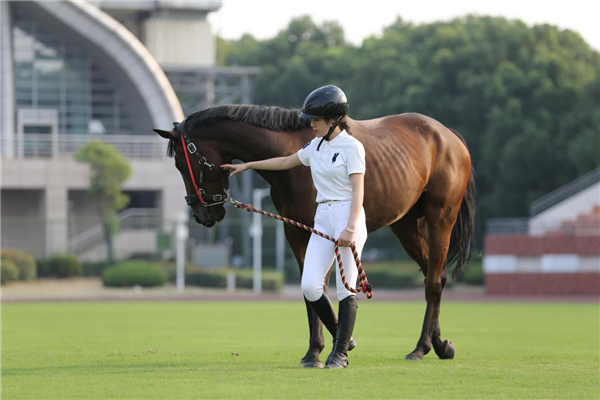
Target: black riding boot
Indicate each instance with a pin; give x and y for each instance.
(339, 356)
(326, 313)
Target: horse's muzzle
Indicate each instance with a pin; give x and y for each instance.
(209, 223)
(208, 216)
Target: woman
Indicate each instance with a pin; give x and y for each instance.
(337, 163)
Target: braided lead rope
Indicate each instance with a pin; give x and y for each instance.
(363, 285)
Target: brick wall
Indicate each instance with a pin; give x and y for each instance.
(528, 246)
(548, 265)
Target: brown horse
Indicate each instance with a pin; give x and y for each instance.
(419, 182)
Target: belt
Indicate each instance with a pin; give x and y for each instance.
(328, 201)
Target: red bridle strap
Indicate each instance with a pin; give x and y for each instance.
(187, 158)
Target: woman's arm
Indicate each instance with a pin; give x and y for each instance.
(358, 194)
(272, 164)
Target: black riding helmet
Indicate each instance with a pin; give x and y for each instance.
(327, 101)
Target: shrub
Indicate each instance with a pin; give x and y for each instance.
(23, 261)
(9, 272)
(390, 275)
(217, 278)
(170, 269)
(272, 281)
(391, 278)
(131, 273)
(60, 266)
(401, 274)
(197, 276)
(42, 268)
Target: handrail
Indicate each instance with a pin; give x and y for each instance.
(128, 219)
(584, 225)
(506, 226)
(564, 192)
(53, 146)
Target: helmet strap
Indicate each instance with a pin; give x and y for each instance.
(331, 129)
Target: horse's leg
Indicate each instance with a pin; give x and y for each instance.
(412, 232)
(443, 348)
(440, 219)
(298, 241)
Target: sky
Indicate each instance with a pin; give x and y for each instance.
(360, 19)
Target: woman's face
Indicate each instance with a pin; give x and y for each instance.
(320, 126)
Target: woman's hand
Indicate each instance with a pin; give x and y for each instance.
(235, 168)
(346, 239)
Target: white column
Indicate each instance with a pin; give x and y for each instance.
(56, 212)
(256, 231)
(7, 128)
(172, 197)
(280, 246)
(181, 234)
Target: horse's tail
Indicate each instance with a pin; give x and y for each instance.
(463, 233)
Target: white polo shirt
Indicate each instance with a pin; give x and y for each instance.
(333, 164)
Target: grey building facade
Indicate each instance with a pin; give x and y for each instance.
(73, 72)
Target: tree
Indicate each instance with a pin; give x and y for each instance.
(109, 170)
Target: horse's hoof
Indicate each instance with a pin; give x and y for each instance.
(311, 356)
(414, 356)
(446, 352)
(335, 365)
(313, 364)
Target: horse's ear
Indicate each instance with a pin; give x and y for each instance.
(166, 134)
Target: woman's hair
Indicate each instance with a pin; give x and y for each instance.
(341, 122)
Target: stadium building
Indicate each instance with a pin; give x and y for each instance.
(74, 72)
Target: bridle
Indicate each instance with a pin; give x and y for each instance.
(207, 200)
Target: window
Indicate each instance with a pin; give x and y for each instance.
(51, 72)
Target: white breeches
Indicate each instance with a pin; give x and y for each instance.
(331, 219)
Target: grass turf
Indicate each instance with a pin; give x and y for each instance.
(183, 350)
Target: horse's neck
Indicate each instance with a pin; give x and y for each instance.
(249, 143)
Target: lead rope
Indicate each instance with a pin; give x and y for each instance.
(363, 286)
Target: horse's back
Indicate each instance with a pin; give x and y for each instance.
(406, 154)
(451, 162)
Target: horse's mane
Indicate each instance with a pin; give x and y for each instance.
(267, 117)
(271, 118)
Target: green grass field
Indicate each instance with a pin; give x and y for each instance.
(185, 350)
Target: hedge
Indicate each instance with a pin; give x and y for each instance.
(9, 272)
(392, 277)
(399, 274)
(131, 273)
(244, 278)
(23, 261)
(272, 281)
(60, 266)
(388, 275)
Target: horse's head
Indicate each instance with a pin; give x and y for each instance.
(206, 184)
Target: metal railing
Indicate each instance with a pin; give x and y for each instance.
(507, 226)
(132, 218)
(54, 146)
(530, 227)
(564, 192)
